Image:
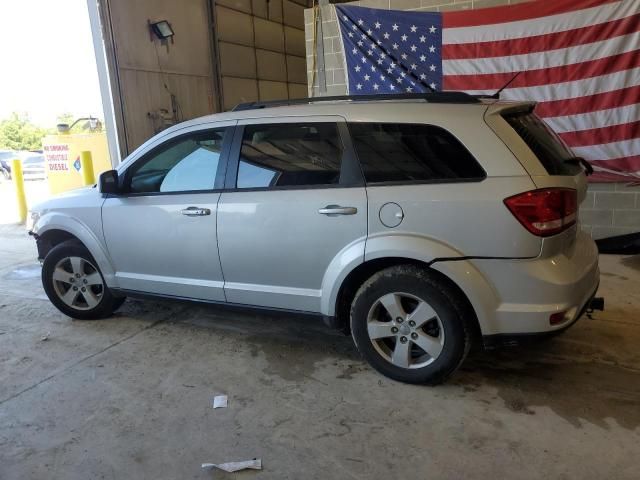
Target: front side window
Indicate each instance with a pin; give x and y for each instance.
(289, 155)
(398, 152)
(187, 164)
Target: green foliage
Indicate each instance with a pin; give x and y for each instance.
(18, 133)
(66, 117)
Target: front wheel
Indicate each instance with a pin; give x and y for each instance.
(410, 326)
(74, 284)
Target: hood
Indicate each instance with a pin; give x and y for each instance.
(76, 197)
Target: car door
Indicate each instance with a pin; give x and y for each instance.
(295, 201)
(161, 231)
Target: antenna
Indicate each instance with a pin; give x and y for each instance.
(497, 94)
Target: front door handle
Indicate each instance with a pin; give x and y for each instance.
(195, 212)
(337, 210)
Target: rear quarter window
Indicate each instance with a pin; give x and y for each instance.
(412, 153)
(551, 151)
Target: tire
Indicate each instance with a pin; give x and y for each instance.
(70, 266)
(427, 313)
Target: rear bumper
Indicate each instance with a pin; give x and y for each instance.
(514, 339)
(528, 292)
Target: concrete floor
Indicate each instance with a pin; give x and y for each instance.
(35, 191)
(128, 397)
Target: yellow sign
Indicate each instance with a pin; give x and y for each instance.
(62, 158)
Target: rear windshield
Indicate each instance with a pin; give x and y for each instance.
(544, 142)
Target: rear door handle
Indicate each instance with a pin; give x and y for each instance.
(195, 212)
(337, 210)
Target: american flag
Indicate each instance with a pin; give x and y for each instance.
(579, 59)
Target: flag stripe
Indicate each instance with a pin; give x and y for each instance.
(545, 60)
(600, 101)
(595, 136)
(545, 76)
(631, 163)
(578, 59)
(625, 148)
(540, 43)
(538, 25)
(600, 118)
(577, 88)
(524, 11)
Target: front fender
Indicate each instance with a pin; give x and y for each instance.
(66, 223)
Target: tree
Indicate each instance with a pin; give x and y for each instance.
(18, 133)
(66, 117)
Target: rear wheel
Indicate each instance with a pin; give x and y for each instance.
(409, 326)
(75, 285)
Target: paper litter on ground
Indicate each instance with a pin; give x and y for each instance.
(220, 401)
(255, 464)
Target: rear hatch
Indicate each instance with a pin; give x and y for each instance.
(553, 167)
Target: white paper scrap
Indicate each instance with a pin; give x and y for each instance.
(220, 401)
(255, 464)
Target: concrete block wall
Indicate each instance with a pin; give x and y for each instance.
(608, 210)
(611, 209)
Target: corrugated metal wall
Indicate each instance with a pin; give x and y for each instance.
(260, 48)
(140, 67)
(224, 52)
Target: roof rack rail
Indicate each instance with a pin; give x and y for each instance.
(433, 97)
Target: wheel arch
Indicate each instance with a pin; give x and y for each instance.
(358, 275)
(55, 229)
(51, 238)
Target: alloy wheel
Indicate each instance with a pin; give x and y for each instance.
(77, 282)
(405, 330)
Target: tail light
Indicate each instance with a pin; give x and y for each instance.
(545, 212)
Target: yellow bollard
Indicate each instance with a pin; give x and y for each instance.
(86, 165)
(18, 180)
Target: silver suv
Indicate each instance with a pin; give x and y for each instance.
(417, 223)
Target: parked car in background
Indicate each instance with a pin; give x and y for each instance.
(419, 223)
(33, 167)
(5, 163)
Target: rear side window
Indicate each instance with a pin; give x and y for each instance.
(391, 152)
(290, 155)
(544, 143)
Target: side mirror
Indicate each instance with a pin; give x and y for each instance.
(109, 182)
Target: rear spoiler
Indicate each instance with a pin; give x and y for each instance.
(500, 108)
